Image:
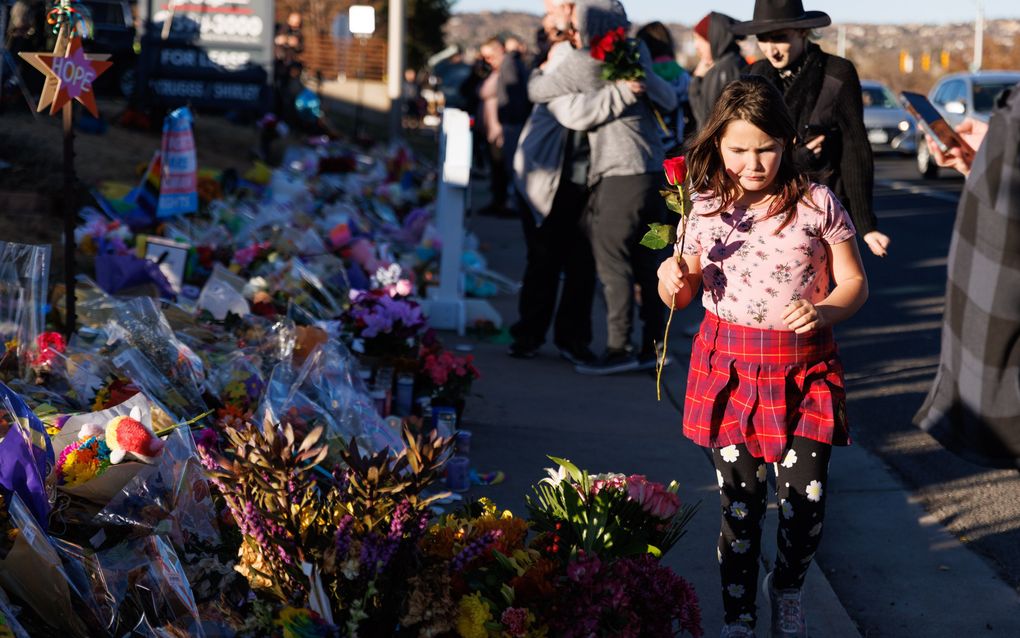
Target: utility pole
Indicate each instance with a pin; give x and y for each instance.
(979, 37)
(395, 50)
(841, 40)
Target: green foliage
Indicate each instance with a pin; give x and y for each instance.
(424, 27)
(674, 201)
(659, 237)
(623, 62)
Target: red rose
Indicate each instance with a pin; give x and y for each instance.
(600, 47)
(676, 170)
(48, 346)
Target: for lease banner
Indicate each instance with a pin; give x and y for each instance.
(208, 52)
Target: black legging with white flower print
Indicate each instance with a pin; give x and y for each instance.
(801, 486)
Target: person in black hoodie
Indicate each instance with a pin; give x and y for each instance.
(720, 62)
(823, 92)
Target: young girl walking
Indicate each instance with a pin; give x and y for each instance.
(779, 264)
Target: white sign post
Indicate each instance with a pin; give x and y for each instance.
(361, 19)
(446, 307)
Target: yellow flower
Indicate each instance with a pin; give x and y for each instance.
(488, 507)
(472, 614)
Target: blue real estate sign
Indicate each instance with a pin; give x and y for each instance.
(207, 52)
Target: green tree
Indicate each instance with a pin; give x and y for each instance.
(425, 22)
(426, 19)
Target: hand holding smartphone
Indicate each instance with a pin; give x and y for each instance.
(932, 123)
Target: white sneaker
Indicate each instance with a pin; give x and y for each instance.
(787, 612)
(737, 630)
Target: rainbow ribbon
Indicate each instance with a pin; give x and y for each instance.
(76, 16)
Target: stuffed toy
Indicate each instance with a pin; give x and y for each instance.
(128, 435)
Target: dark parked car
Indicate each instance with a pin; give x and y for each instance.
(890, 127)
(961, 95)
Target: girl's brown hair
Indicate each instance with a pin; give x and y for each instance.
(755, 100)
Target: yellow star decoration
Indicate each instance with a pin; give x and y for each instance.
(42, 62)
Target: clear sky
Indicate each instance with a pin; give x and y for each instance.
(871, 11)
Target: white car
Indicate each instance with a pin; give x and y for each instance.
(961, 95)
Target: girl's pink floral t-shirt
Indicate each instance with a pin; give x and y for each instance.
(749, 273)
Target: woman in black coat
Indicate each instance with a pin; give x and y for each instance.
(823, 92)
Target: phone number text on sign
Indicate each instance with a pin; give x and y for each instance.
(227, 23)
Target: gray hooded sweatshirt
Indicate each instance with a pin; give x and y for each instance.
(622, 130)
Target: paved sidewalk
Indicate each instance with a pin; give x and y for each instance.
(525, 410)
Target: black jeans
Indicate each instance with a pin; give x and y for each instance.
(801, 486)
(499, 179)
(622, 208)
(558, 247)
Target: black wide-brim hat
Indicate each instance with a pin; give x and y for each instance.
(776, 15)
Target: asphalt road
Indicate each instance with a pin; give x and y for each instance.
(890, 350)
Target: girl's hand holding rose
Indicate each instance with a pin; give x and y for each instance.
(672, 275)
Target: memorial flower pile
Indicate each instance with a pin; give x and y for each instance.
(265, 492)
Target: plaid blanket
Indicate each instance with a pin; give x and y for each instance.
(973, 407)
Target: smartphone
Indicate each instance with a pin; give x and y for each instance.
(931, 122)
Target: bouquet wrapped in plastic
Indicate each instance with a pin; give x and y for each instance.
(170, 497)
(31, 571)
(24, 279)
(323, 392)
(83, 466)
(155, 359)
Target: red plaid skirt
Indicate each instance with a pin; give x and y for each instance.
(761, 387)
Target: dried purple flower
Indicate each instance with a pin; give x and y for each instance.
(474, 549)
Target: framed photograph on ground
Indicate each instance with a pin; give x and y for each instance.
(172, 257)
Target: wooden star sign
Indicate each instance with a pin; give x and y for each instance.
(68, 76)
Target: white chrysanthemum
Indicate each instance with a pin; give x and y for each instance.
(739, 510)
(790, 460)
(740, 546)
(787, 508)
(718, 475)
(762, 472)
(735, 590)
(814, 491)
(730, 453)
(816, 530)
